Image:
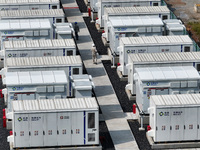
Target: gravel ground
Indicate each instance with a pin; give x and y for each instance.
(82, 6)
(104, 137)
(119, 87)
(140, 136)
(96, 36)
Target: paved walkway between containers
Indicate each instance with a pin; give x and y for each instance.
(113, 114)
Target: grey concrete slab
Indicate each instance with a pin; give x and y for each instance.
(113, 115)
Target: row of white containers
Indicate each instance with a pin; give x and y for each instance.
(28, 75)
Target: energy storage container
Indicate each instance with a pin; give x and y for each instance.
(164, 81)
(154, 44)
(33, 85)
(38, 48)
(55, 122)
(29, 4)
(82, 85)
(54, 15)
(144, 60)
(174, 118)
(129, 26)
(161, 11)
(102, 4)
(25, 29)
(72, 65)
(174, 27)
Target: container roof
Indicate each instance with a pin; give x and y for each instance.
(82, 84)
(39, 44)
(167, 73)
(24, 24)
(52, 105)
(156, 40)
(21, 2)
(29, 62)
(125, 21)
(31, 13)
(164, 57)
(176, 100)
(35, 78)
(136, 10)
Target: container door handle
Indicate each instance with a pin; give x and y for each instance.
(57, 132)
(71, 131)
(43, 133)
(198, 126)
(29, 133)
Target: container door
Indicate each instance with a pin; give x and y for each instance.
(177, 124)
(77, 128)
(64, 128)
(50, 130)
(162, 129)
(190, 132)
(36, 130)
(21, 130)
(92, 127)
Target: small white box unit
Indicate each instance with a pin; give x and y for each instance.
(82, 85)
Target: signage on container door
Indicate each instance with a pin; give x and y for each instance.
(49, 6)
(150, 3)
(181, 48)
(63, 51)
(70, 85)
(194, 64)
(159, 15)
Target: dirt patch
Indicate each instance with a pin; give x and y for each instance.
(175, 2)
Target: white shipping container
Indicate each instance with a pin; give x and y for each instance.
(72, 65)
(38, 48)
(33, 85)
(29, 4)
(101, 4)
(131, 26)
(154, 44)
(161, 11)
(55, 122)
(25, 29)
(144, 60)
(164, 81)
(174, 118)
(82, 85)
(53, 15)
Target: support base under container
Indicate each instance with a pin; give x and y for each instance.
(99, 29)
(122, 78)
(178, 145)
(130, 96)
(105, 42)
(63, 148)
